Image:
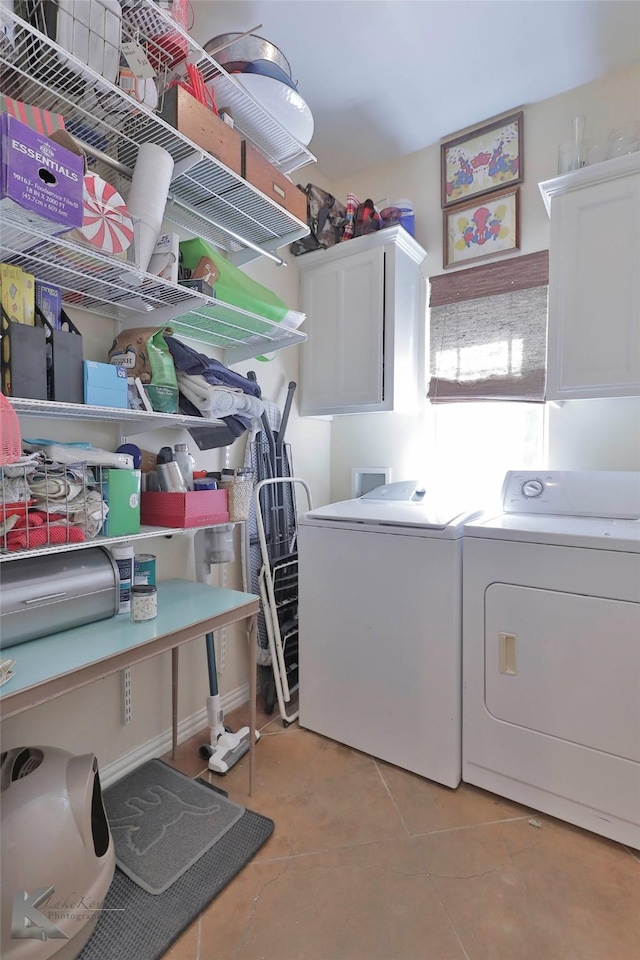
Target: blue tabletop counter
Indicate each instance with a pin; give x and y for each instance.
(50, 666)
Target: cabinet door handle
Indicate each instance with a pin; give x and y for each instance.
(46, 599)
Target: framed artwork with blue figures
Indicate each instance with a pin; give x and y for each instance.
(483, 160)
(481, 228)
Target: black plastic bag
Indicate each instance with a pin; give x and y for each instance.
(326, 217)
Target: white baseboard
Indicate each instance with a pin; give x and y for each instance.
(159, 745)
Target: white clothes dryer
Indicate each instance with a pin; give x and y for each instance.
(380, 640)
(551, 648)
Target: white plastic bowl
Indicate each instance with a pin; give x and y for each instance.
(281, 101)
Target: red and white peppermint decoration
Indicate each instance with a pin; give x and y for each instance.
(106, 224)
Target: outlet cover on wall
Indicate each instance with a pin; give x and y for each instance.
(364, 479)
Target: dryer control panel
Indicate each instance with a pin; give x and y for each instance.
(573, 493)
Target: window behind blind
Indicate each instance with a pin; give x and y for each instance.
(488, 331)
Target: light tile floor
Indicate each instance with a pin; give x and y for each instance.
(369, 862)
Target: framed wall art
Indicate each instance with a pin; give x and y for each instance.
(481, 229)
(483, 160)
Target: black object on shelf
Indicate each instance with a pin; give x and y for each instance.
(200, 285)
(165, 455)
(64, 360)
(23, 360)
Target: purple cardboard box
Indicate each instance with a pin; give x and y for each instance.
(39, 176)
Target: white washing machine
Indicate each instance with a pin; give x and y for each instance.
(380, 592)
(551, 649)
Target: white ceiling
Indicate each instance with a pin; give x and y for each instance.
(384, 78)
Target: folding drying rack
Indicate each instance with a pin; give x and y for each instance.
(269, 558)
(278, 583)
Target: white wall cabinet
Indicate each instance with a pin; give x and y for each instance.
(362, 303)
(593, 347)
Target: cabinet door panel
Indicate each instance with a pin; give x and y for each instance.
(362, 309)
(594, 305)
(343, 361)
(321, 300)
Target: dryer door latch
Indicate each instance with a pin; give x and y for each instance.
(507, 654)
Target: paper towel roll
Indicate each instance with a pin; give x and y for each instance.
(151, 176)
(147, 196)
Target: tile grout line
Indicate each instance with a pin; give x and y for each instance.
(391, 797)
(317, 853)
(428, 873)
(471, 826)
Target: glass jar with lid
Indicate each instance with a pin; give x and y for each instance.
(144, 602)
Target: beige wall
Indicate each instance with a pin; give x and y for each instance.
(581, 434)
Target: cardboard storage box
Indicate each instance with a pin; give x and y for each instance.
(121, 492)
(201, 125)
(42, 121)
(11, 292)
(40, 180)
(23, 360)
(105, 385)
(200, 508)
(257, 171)
(17, 294)
(29, 298)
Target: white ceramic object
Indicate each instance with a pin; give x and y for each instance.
(140, 89)
(281, 101)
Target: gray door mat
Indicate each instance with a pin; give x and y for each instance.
(136, 925)
(162, 822)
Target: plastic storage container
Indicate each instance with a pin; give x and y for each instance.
(219, 543)
(407, 216)
(186, 463)
(239, 486)
(122, 553)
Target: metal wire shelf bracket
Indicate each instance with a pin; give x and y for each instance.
(39, 71)
(250, 117)
(111, 287)
(247, 352)
(127, 699)
(146, 533)
(92, 280)
(54, 409)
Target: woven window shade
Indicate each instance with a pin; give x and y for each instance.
(488, 332)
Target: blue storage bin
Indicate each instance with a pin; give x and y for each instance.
(407, 218)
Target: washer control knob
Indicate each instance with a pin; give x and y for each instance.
(532, 488)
